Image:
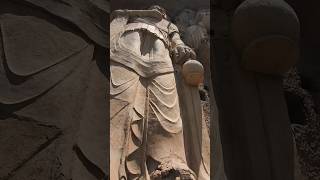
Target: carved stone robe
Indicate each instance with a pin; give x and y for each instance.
(147, 128)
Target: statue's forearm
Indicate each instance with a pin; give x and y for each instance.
(176, 40)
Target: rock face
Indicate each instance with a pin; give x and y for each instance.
(303, 90)
(305, 124)
(53, 105)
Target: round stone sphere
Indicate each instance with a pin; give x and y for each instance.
(266, 35)
(193, 72)
(258, 18)
(270, 55)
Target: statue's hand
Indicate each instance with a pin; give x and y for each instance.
(183, 53)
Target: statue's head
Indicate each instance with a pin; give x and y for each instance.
(160, 9)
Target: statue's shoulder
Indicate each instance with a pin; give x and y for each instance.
(168, 26)
(136, 13)
(172, 28)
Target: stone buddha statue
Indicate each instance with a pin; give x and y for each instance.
(152, 136)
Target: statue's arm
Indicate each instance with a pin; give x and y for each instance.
(176, 39)
(181, 52)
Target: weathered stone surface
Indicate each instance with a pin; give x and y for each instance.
(21, 141)
(45, 165)
(255, 130)
(89, 16)
(300, 87)
(271, 47)
(307, 74)
(154, 128)
(197, 36)
(60, 82)
(305, 129)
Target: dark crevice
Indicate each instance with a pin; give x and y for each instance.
(29, 119)
(203, 95)
(63, 2)
(295, 108)
(99, 56)
(91, 167)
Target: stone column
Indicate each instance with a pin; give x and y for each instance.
(248, 67)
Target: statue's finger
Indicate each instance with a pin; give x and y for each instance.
(192, 54)
(182, 52)
(175, 53)
(184, 58)
(188, 53)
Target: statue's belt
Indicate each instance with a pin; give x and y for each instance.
(151, 28)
